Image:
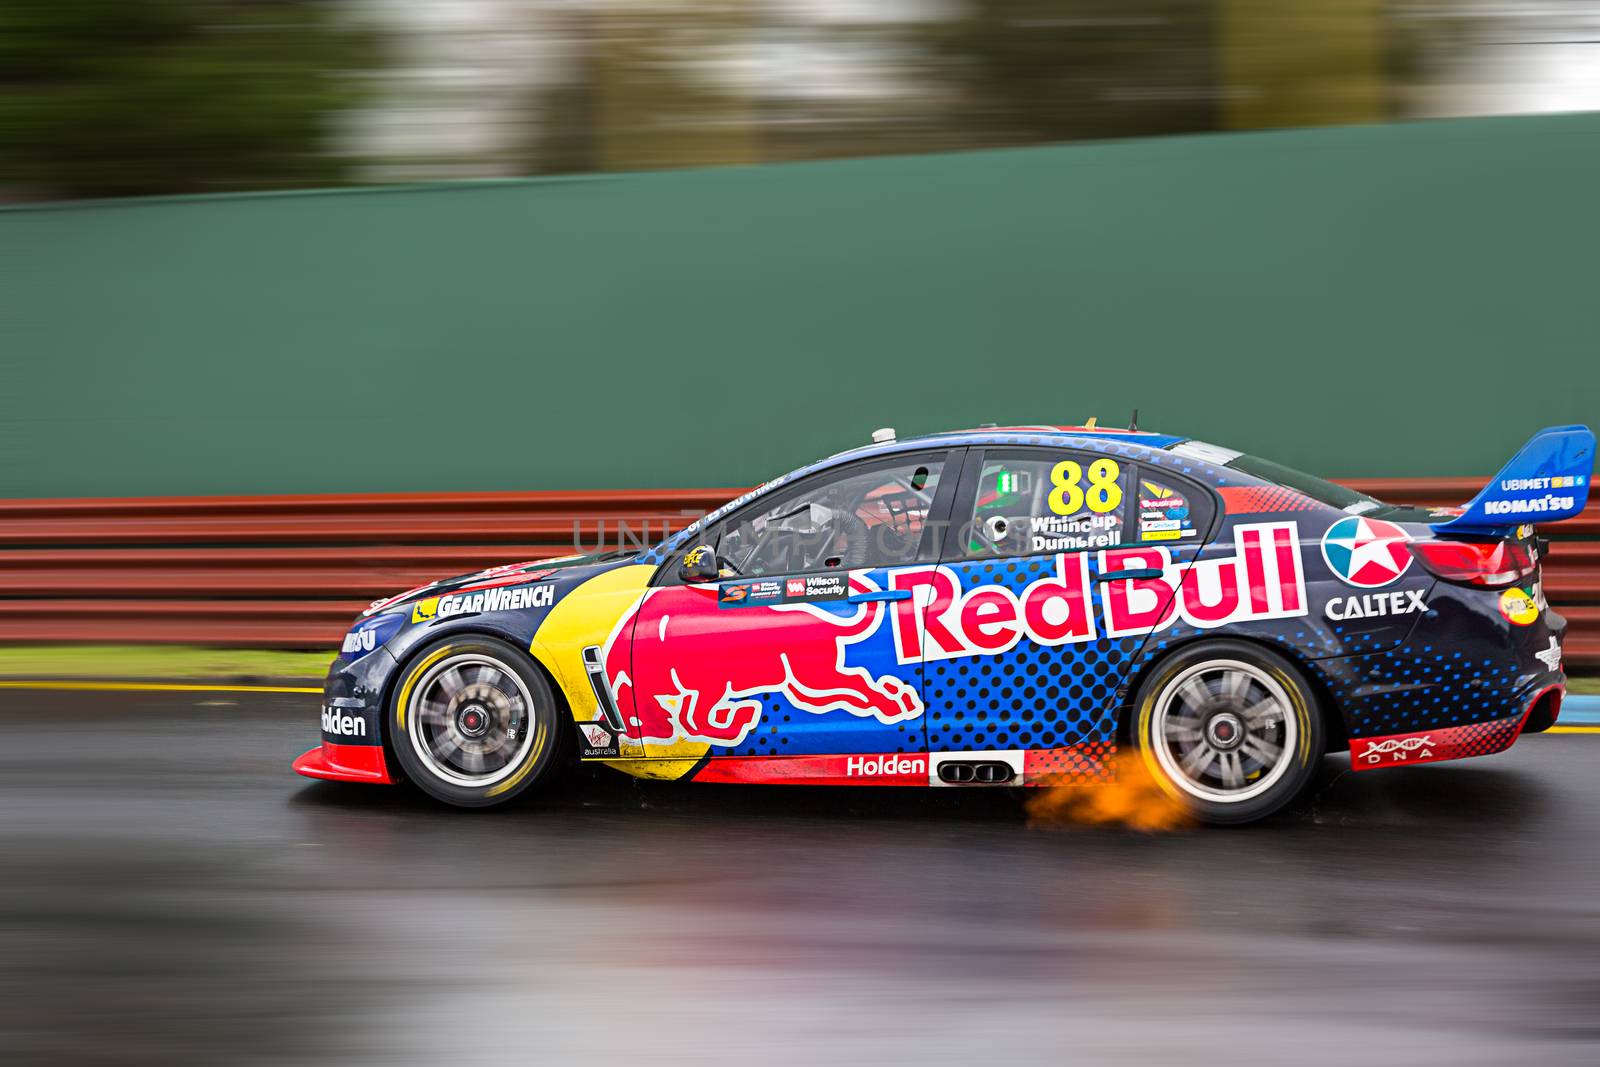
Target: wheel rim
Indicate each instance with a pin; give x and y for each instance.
(471, 720)
(1224, 731)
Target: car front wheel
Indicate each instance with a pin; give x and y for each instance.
(473, 721)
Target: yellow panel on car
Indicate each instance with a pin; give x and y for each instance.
(586, 616)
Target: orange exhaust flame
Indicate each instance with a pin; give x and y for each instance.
(1132, 799)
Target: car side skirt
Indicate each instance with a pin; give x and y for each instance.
(1086, 763)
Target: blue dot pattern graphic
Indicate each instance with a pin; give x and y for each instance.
(1033, 696)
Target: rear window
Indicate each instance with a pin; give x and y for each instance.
(1318, 489)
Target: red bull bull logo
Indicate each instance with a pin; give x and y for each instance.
(693, 675)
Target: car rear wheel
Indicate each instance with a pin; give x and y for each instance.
(473, 721)
(1229, 729)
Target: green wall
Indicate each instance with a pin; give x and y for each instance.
(1383, 300)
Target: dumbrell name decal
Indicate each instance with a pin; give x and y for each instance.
(1261, 580)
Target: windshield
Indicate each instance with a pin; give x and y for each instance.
(1318, 489)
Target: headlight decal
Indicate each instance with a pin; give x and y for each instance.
(370, 635)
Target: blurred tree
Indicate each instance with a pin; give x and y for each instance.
(641, 91)
(138, 97)
(661, 83)
(1308, 63)
(1065, 70)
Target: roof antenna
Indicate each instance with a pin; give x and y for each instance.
(1133, 423)
(1090, 424)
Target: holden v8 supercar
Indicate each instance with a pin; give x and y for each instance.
(1004, 606)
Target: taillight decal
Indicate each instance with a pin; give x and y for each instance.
(1484, 563)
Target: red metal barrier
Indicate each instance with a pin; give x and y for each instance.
(313, 624)
(285, 571)
(555, 518)
(292, 571)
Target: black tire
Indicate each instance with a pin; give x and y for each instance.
(1250, 709)
(473, 721)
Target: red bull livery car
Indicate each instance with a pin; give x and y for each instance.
(1006, 606)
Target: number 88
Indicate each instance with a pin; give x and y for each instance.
(1067, 495)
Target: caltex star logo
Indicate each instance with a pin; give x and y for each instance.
(1366, 552)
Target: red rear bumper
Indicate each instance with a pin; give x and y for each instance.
(1450, 742)
(345, 763)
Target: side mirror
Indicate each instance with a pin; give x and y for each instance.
(699, 564)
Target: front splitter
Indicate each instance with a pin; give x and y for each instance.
(345, 763)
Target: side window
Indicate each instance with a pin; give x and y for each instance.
(871, 516)
(1171, 510)
(1030, 502)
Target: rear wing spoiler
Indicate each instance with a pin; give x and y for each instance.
(1546, 481)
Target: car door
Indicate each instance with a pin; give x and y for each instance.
(791, 652)
(1050, 583)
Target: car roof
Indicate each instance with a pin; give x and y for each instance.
(1144, 437)
(1089, 437)
(1141, 446)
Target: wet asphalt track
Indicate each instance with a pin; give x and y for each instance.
(173, 895)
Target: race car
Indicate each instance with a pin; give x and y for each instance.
(987, 608)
